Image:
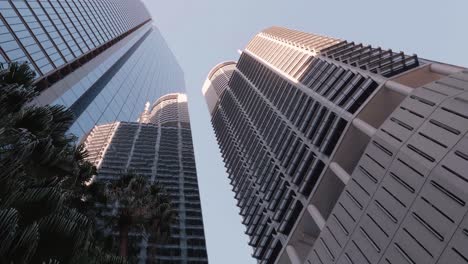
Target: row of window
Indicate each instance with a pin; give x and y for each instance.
(290, 152)
(141, 79)
(141, 141)
(334, 84)
(287, 59)
(240, 177)
(251, 200)
(303, 40)
(53, 33)
(384, 62)
(270, 167)
(258, 224)
(275, 138)
(377, 60)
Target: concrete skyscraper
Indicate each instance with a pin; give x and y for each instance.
(159, 147)
(340, 152)
(103, 59)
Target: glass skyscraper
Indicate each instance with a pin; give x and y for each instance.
(103, 59)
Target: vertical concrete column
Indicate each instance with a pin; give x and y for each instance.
(293, 256)
(316, 215)
(340, 172)
(365, 127)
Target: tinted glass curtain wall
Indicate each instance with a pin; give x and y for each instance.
(103, 59)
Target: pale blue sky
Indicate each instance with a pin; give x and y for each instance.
(203, 33)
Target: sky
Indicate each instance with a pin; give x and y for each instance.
(203, 33)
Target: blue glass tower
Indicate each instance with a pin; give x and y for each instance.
(101, 58)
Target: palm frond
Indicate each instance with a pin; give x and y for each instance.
(96, 255)
(37, 120)
(51, 261)
(142, 203)
(81, 153)
(11, 176)
(42, 174)
(63, 119)
(14, 97)
(68, 232)
(8, 228)
(86, 171)
(35, 203)
(16, 144)
(24, 245)
(19, 73)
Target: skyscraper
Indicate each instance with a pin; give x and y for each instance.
(103, 59)
(340, 152)
(159, 147)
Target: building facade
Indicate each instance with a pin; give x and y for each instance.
(103, 59)
(340, 152)
(159, 147)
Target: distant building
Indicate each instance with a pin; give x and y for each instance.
(340, 152)
(103, 59)
(160, 148)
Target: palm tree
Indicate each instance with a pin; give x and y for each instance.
(140, 204)
(42, 173)
(18, 73)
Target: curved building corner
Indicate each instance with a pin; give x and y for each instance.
(216, 83)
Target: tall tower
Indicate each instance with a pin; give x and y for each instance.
(340, 152)
(101, 58)
(160, 148)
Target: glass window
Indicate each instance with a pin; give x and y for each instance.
(101, 102)
(108, 116)
(69, 97)
(86, 122)
(94, 111)
(76, 130)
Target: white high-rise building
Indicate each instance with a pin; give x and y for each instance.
(340, 152)
(159, 147)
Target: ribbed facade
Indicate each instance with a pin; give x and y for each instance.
(344, 153)
(103, 59)
(161, 151)
(168, 110)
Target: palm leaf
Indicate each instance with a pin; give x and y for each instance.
(14, 97)
(36, 203)
(142, 204)
(81, 153)
(51, 261)
(40, 169)
(16, 144)
(8, 228)
(37, 120)
(68, 232)
(63, 119)
(19, 73)
(96, 255)
(24, 245)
